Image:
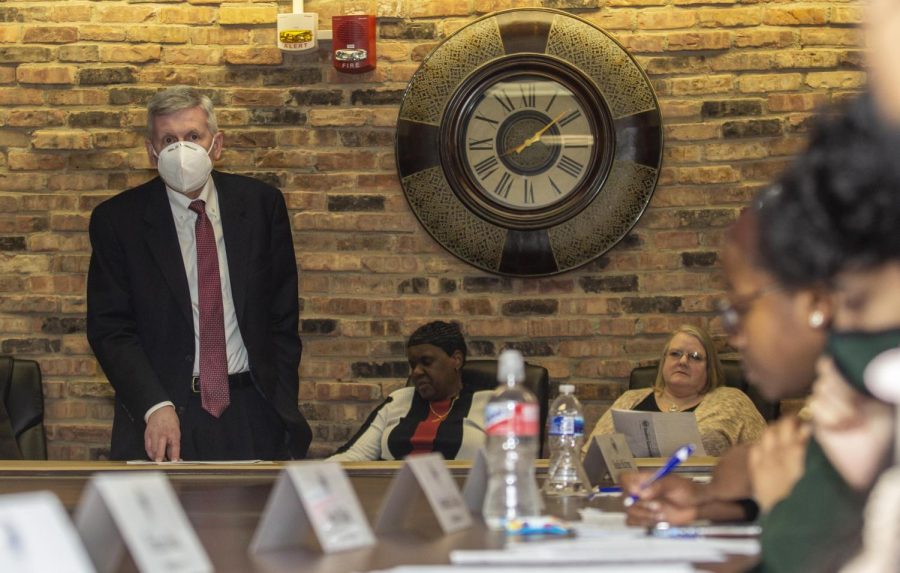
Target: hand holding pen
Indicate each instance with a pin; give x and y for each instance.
(680, 455)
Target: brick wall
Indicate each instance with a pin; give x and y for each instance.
(737, 82)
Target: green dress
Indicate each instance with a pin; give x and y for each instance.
(817, 527)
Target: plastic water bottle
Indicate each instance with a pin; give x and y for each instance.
(565, 428)
(511, 424)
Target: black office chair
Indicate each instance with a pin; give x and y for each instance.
(22, 396)
(645, 376)
(482, 374)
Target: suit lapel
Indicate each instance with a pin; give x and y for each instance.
(162, 240)
(236, 228)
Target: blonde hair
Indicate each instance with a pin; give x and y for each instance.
(715, 375)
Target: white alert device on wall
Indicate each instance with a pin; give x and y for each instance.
(297, 32)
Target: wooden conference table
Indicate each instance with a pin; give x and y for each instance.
(225, 502)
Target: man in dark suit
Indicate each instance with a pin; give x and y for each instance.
(192, 302)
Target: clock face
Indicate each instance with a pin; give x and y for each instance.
(528, 142)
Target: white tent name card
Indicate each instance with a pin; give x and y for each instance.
(610, 454)
(36, 535)
(476, 483)
(139, 511)
(423, 474)
(314, 496)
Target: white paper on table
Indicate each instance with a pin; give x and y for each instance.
(613, 549)
(36, 536)
(598, 523)
(658, 434)
(748, 546)
(620, 568)
(198, 462)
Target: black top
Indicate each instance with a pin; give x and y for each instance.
(649, 404)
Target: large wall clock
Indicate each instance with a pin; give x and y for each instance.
(529, 142)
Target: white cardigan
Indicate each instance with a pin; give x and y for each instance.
(372, 441)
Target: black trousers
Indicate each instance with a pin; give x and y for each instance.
(248, 429)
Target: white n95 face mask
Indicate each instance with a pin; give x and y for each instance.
(184, 166)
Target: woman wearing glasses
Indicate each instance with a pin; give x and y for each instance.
(833, 220)
(690, 379)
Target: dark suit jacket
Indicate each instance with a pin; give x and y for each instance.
(139, 320)
(9, 447)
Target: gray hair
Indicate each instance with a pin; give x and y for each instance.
(178, 98)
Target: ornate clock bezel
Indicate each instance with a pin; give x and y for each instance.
(594, 217)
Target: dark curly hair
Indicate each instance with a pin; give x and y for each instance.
(445, 335)
(837, 207)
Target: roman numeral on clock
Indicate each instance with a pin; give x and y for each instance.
(504, 185)
(481, 144)
(485, 167)
(550, 103)
(570, 166)
(493, 122)
(528, 95)
(570, 118)
(503, 99)
(529, 191)
(555, 186)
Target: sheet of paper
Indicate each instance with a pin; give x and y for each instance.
(658, 434)
(197, 463)
(620, 568)
(36, 535)
(598, 523)
(614, 549)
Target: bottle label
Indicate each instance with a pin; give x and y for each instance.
(518, 418)
(566, 426)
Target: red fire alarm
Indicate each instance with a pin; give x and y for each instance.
(353, 41)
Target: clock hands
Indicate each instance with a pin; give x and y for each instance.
(536, 137)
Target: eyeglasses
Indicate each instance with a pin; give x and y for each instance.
(692, 356)
(732, 311)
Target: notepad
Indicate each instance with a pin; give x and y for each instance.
(658, 434)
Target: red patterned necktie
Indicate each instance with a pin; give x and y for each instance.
(213, 358)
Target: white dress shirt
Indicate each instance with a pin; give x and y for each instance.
(185, 223)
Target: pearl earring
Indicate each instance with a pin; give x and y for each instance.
(816, 319)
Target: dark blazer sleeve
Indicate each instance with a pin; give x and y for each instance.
(284, 310)
(285, 306)
(111, 325)
(9, 447)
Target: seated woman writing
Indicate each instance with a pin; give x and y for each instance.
(437, 413)
(690, 379)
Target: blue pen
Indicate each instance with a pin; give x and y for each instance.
(681, 454)
(598, 491)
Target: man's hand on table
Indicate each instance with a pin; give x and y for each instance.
(162, 438)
